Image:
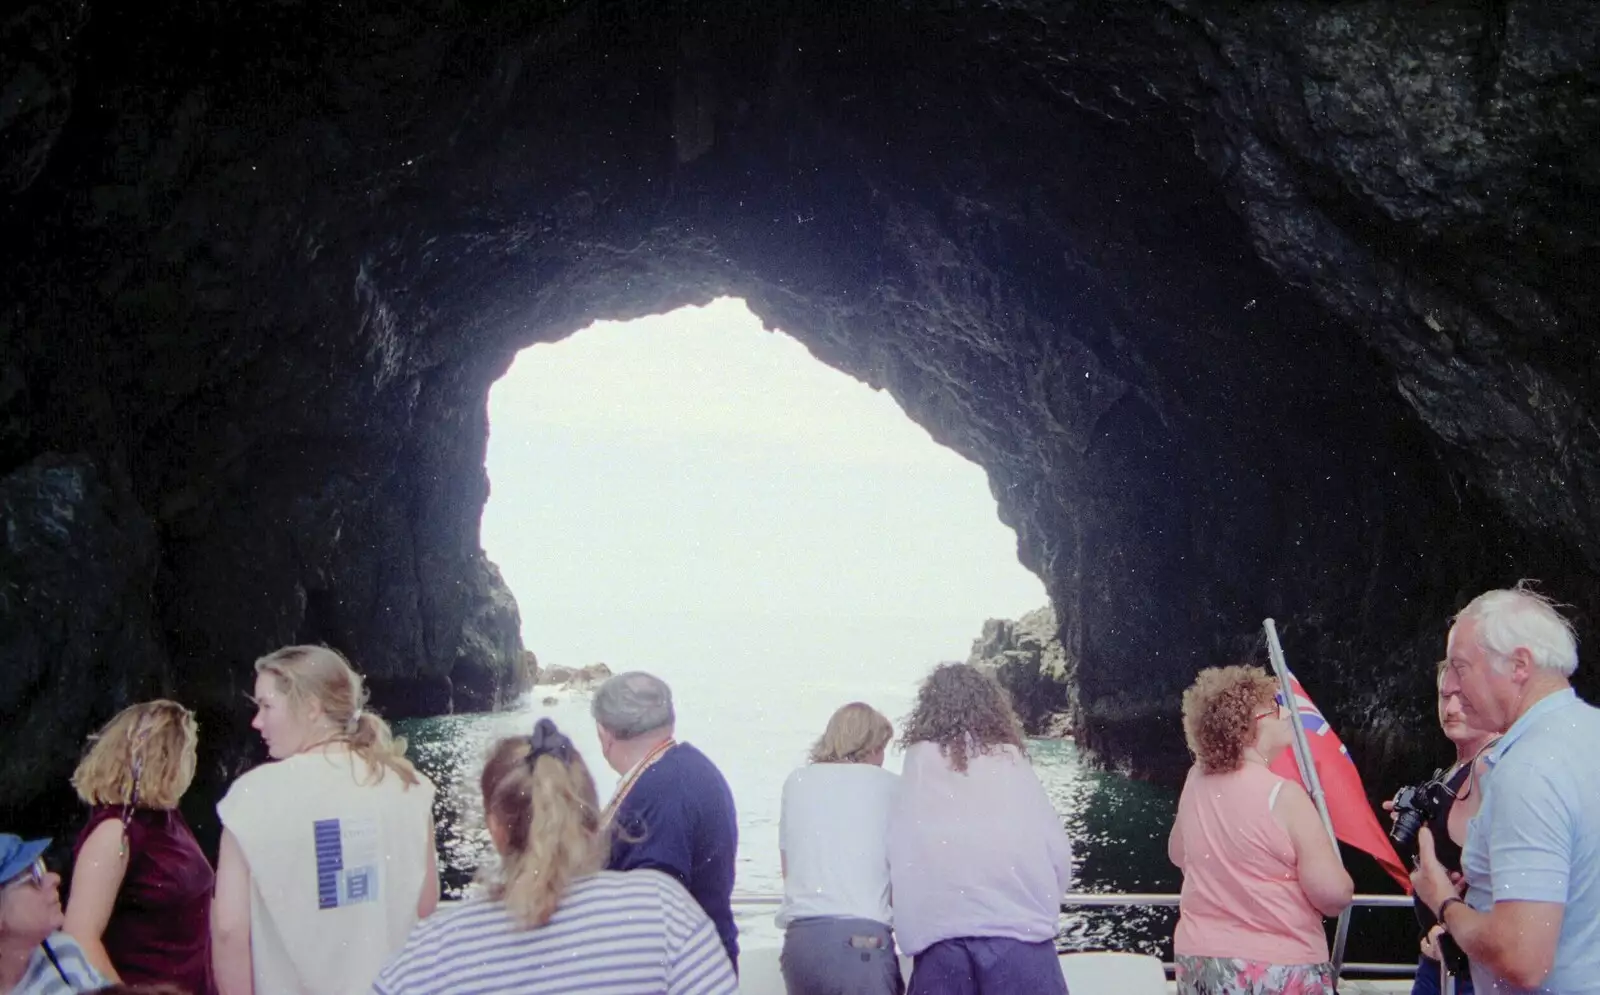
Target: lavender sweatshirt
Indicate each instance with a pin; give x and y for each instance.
(979, 853)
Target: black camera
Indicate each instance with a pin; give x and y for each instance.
(1414, 807)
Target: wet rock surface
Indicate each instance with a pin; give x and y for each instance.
(1247, 309)
(1026, 656)
(78, 638)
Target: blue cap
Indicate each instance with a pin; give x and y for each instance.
(16, 854)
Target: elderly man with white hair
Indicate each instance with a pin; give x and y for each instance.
(1530, 920)
(672, 811)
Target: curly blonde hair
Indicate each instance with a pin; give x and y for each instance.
(1219, 711)
(963, 710)
(551, 817)
(143, 757)
(855, 732)
(316, 673)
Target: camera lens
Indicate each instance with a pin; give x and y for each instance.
(1404, 831)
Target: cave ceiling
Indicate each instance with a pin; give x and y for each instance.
(1246, 308)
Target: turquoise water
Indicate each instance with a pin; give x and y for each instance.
(1118, 826)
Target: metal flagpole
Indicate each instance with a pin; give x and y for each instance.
(1308, 774)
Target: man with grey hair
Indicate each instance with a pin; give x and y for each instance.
(672, 811)
(1531, 916)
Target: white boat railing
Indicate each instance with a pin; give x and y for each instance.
(1122, 899)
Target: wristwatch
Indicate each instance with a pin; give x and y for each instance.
(1445, 905)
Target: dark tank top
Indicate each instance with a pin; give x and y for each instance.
(1449, 852)
(160, 929)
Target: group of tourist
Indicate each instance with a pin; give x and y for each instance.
(327, 882)
(1507, 878)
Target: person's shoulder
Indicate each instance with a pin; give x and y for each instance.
(660, 886)
(687, 755)
(469, 917)
(62, 943)
(870, 777)
(1293, 810)
(69, 954)
(257, 782)
(439, 938)
(693, 765)
(621, 891)
(419, 792)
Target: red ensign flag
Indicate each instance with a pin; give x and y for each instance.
(1353, 819)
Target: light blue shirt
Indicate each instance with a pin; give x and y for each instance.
(68, 973)
(1536, 837)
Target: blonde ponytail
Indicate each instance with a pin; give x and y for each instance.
(373, 742)
(539, 792)
(317, 673)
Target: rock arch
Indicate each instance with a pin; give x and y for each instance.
(1246, 310)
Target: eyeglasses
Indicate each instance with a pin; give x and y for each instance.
(1277, 712)
(33, 875)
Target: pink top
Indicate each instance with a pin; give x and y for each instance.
(1241, 887)
(980, 853)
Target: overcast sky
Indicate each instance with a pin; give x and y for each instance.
(695, 467)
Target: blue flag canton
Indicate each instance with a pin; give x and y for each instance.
(1311, 719)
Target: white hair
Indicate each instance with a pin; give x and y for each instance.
(633, 704)
(1521, 618)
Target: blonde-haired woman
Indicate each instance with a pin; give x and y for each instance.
(833, 840)
(327, 856)
(141, 888)
(1259, 871)
(553, 922)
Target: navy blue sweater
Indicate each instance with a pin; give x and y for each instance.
(679, 819)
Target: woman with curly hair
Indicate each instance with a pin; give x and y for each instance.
(141, 887)
(978, 858)
(834, 847)
(1259, 871)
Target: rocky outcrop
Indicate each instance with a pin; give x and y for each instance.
(1269, 308)
(1026, 656)
(580, 678)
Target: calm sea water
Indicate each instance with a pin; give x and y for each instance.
(1118, 826)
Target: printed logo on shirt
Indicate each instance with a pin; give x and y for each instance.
(347, 861)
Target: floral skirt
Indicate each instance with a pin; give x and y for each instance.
(1236, 976)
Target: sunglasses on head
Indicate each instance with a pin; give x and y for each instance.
(33, 874)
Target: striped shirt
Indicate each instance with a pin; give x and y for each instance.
(634, 933)
(42, 978)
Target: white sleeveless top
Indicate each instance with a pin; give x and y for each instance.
(337, 863)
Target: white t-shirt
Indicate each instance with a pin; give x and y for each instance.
(337, 863)
(834, 834)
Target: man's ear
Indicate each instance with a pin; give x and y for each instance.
(1522, 665)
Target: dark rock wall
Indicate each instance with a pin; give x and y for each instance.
(1248, 309)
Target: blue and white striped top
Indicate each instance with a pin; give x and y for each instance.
(69, 971)
(633, 933)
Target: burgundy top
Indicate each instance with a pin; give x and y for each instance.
(160, 929)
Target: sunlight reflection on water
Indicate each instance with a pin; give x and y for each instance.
(1118, 827)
